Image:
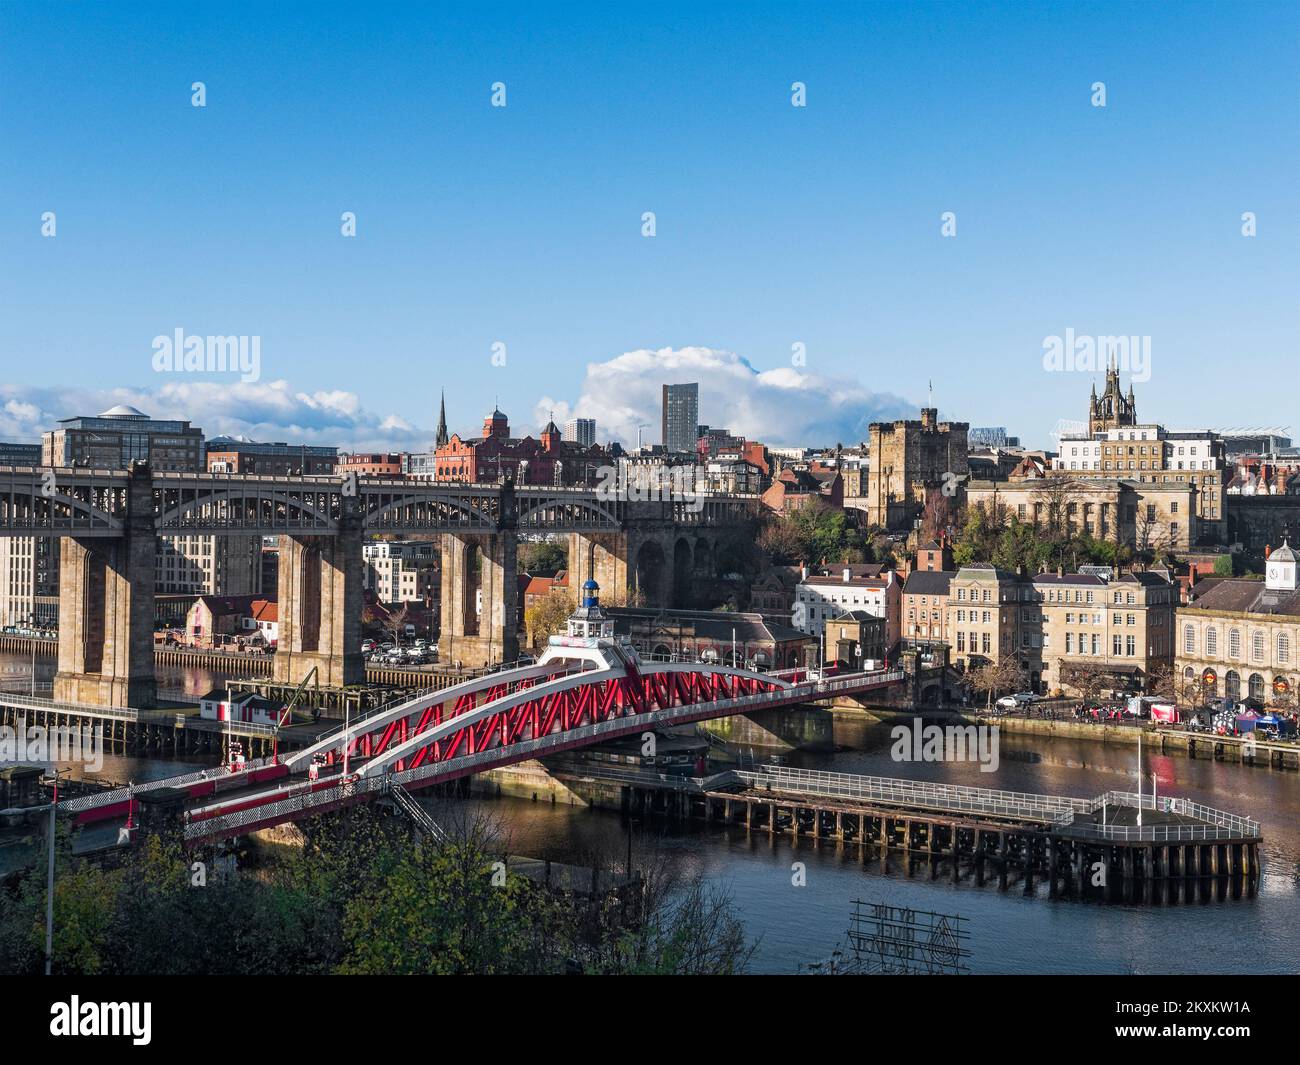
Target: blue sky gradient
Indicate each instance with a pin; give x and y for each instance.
(776, 224)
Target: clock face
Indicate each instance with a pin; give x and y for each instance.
(1273, 571)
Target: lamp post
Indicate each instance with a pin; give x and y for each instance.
(49, 879)
(1139, 777)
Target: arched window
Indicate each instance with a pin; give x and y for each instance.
(1211, 642)
(1234, 643)
(1283, 648)
(1257, 646)
(1256, 687)
(1189, 639)
(1232, 684)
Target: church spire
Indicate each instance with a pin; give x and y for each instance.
(442, 420)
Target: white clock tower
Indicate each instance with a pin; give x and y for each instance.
(1280, 575)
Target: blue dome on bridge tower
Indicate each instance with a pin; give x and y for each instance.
(589, 621)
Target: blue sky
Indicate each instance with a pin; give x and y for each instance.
(776, 225)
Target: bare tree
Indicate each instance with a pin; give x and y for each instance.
(1087, 682)
(1150, 534)
(395, 622)
(1055, 500)
(1163, 683)
(993, 678)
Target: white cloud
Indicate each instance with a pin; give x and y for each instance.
(259, 410)
(783, 406)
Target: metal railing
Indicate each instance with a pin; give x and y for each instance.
(107, 798)
(116, 713)
(913, 794)
(417, 813)
(1216, 824)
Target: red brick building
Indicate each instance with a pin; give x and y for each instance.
(371, 464)
(496, 454)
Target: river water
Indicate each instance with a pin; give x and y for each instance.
(799, 925)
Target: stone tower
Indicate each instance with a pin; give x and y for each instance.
(1112, 409)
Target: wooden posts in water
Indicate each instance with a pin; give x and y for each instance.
(1074, 866)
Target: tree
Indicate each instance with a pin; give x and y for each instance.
(992, 678)
(1150, 535)
(544, 558)
(395, 622)
(547, 617)
(1087, 682)
(811, 532)
(1163, 684)
(936, 515)
(1055, 500)
(362, 896)
(1223, 566)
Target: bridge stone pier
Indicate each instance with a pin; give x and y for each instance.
(107, 586)
(320, 607)
(480, 598)
(602, 556)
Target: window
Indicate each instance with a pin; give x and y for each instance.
(1189, 639)
(1257, 646)
(1211, 642)
(1234, 643)
(1283, 647)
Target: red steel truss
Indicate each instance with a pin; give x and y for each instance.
(550, 713)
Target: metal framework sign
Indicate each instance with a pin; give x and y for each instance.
(895, 939)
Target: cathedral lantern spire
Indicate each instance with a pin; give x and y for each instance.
(442, 437)
(1112, 410)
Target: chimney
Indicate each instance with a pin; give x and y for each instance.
(847, 573)
(803, 573)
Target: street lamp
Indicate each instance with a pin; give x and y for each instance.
(49, 879)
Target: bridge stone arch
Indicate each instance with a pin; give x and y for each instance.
(466, 514)
(249, 511)
(565, 512)
(653, 575)
(94, 516)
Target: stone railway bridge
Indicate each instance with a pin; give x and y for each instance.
(108, 522)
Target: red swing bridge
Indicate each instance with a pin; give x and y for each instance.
(588, 687)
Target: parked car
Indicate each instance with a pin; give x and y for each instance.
(1008, 702)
